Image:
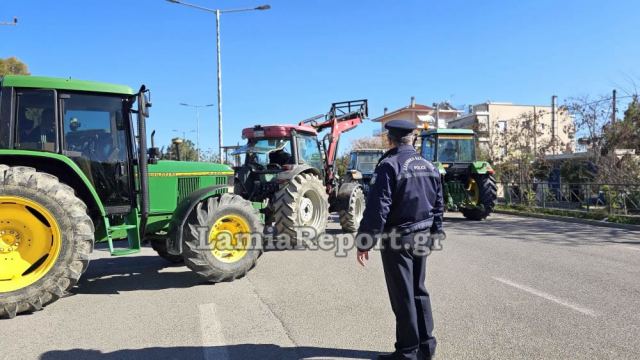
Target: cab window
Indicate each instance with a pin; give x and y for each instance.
(428, 147)
(5, 117)
(353, 162)
(36, 120)
(95, 137)
(309, 151)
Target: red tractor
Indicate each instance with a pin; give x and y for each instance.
(294, 171)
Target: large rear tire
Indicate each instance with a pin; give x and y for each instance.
(46, 238)
(302, 203)
(223, 239)
(352, 204)
(487, 193)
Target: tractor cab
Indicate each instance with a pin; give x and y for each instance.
(469, 185)
(362, 165)
(448, 146)
(271, 154)
(365, 160)
(279, 147)
(92, 129)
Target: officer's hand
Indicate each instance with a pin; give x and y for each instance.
(363, 257)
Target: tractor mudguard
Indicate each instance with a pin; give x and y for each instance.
(285, 176)
(58, 165)
(69, 173)
(179, 219)
(481, 168)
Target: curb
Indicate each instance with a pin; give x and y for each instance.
(570, 219)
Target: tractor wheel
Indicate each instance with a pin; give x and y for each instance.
(46, 238)
(160, 246)
(223, 239)
(484, 193)
(302, 203)
(352, 204)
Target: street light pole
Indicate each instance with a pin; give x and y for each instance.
(218, 52)
(220, 143)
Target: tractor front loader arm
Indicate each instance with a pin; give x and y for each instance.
(342, 117)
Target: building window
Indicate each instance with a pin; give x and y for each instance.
(502, 126)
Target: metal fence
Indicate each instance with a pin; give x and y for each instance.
(622, 199)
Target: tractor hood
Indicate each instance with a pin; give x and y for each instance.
(187, 168)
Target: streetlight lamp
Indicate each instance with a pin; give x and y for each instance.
(12, 23)
(197, 107)
(218, 12)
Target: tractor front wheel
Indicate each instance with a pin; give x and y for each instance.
(46, 238)
(352, 204)
(483, 192)
(303, 203)
(223, 238)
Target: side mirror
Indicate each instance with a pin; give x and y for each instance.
(144, 101)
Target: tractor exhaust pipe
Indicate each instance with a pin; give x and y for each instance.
(143, 112)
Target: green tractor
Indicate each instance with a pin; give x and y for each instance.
(75, 170)
(469, 185)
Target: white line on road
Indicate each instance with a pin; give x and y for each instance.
(548, 297)
(213, 341)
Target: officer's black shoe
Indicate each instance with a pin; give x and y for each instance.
(425, 355)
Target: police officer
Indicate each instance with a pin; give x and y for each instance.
(405, 199)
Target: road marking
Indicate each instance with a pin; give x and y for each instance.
(548, 297)
(213, 340)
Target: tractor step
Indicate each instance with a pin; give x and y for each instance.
(132, 239)
(122, 227)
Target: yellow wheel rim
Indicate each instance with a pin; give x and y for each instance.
(474, 191)
(229, 237)
(30, 241)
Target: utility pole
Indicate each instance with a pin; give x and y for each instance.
(535, 131)
(553, 123)
(614, 110)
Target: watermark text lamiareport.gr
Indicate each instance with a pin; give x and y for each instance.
(420, 243)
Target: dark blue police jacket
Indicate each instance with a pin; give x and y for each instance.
(405, 194)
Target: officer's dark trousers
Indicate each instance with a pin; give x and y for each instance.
(405, 275)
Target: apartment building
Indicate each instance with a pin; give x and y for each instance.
(506, 129)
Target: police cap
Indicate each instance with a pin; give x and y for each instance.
(400, 128)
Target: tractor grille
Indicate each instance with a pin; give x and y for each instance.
(221, 180)
(186, 186)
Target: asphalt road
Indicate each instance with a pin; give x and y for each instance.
(506, 288)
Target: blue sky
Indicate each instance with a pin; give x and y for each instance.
(293, 61)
